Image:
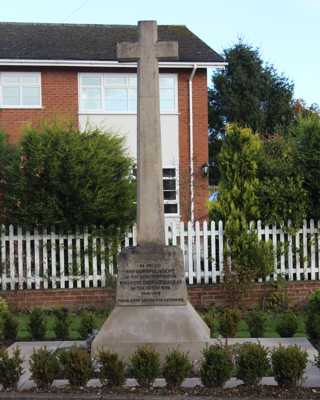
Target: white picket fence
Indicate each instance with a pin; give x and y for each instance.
(35, 259)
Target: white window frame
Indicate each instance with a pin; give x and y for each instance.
(177, 201)
(21, 106)
(117, 74)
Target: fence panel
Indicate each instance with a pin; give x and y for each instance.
(47, 258)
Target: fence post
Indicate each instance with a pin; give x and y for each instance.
(3, 257)
(312, 250)
(190, 252)
(221, 249)
(205, 251)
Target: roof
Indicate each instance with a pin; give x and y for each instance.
(39, 41)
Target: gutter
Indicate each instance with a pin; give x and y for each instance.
(195, 66)
(102, 64)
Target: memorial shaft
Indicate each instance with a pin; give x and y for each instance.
(150, 213)
(150, 209)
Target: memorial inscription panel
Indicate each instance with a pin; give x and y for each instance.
(151, 278)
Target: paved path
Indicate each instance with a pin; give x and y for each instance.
(311, 378)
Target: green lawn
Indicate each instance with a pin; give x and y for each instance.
(270, 327)
(100, 316)
(74, 324)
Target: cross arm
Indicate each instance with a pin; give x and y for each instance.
(167, 50)
(127, 51)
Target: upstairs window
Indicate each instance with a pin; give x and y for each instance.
(20, 90)
(117, 93)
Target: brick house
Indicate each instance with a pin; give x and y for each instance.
(70, 72)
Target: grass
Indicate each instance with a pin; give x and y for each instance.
(100, 316)
(74, 325)
(270, 327)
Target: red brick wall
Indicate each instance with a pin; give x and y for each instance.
(200, 143)
(59, 101)
(200, 296)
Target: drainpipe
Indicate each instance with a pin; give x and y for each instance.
(191, 143)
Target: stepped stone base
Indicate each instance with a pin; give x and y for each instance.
(163, 327)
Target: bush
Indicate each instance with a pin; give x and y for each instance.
(3, 306)
(176, 368)
(252, 363)
(313, 325)
(228, 322)
(87, 324)
(256, 320)
(67, 177)
(9, 326)
(112, 369)
(76, 366)
(10, 368)
(209, 318)
(37, 324)
(287, 325)
(44, 367)
(145, 365)
(288, 365)
(61, 325)
(216, 367)
(313, 316)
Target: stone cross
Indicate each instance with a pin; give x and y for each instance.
(147, 51)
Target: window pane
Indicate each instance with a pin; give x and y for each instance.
(132, 100)
(171, 208)
(169, 194)
(30, 96)
(116, 100)
(91, 80)
(91, 98)
(10, 79)
(132, 80)
(167, 82)
(115, 81)
(169, 184)
(169, 172)
(167, 101)
(11, 96)
(30, 79)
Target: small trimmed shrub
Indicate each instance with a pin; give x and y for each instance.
(287, 325)
(313, 325)
(61, 325)
(288, 365)
(10, 368)
(252, 363)
(228, 322)
(209, 318)
(44, 367)
(76, 366)
(9, 326)
(313, 316)
(112, 369)
(216, 367)
(256, 321)
(37, 324)
(3, 306)
(87, 324)
(176, 368)
(145, 365)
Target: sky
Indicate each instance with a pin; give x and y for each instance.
(287, 32)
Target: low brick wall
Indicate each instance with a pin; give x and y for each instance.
(201, 296)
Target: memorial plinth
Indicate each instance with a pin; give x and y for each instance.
(152, 306)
